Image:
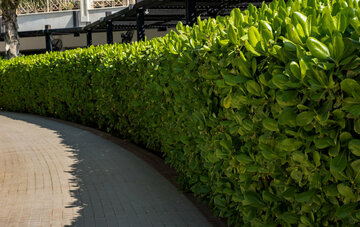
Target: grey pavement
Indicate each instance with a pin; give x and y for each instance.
(54, 174)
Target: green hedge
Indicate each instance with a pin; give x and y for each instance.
(259, 112)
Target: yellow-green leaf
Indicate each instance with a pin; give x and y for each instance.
(227, 101)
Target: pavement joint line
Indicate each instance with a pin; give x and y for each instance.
(50, 169)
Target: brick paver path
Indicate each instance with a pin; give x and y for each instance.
(53, 174)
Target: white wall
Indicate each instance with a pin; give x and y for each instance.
(61, 19)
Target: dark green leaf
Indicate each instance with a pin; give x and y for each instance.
(287, 98)
(290, 144)
(355, 165)
(290, 218)
(316, 158)
(331, 190)
(270, 124)
(354, 146)
(338, 164)
(304, 118)
(351, 87)
(288, 117)
(230, 79)
(322, 143)
(305, 196)
(280, 81)
(253, 199)
(253, 88)
(346, 191)
(345, 210)
(267, 196)
(243, 158)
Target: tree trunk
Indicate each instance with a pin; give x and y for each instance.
(9, 17)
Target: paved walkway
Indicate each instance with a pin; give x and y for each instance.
(53, 174)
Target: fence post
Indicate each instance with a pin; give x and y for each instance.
(109, 30)
(190, 12)
(140, 24)
(75, 17)
(76, 22)
(88, 38)
(48, 38)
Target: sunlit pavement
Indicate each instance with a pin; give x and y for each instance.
(54, 174)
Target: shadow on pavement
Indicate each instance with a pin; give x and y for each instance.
(113, 187)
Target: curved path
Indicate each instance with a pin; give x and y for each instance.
(54, 174)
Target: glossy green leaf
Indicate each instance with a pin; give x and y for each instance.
(293, 34)
(237, 17)
(351, 87)
(344, 18)
(233, 36)
(254, 36)
(295, 70)
(339, 46)
(317, 48)
(329, 22)
(266, 30)
(302, 20)
(251, 49)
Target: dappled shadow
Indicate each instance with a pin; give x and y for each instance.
(112, 187)
(36, 177)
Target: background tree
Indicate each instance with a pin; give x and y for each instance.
(11, 37)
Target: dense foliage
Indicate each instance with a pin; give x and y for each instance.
(259, 112)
